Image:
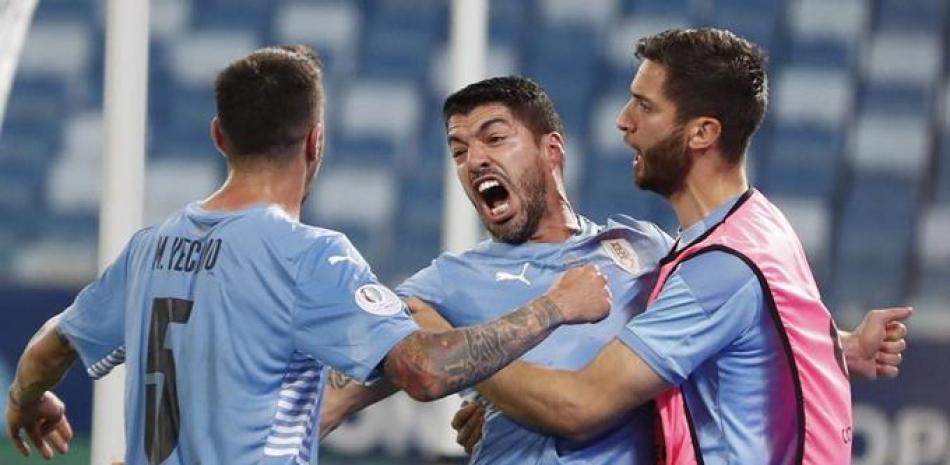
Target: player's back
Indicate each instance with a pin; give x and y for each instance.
(214, 374)
(226, 322)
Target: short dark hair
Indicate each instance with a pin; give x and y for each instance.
(715, 73)
(526, 100)
(268, 100)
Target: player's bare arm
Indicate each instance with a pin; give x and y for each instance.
(344, 396)
(31, 406)
(429, 365)
(577, 405)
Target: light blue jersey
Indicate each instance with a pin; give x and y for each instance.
(485, 282)
(710, 332)
(227, 323)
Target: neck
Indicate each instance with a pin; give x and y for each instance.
(707, 187)
(560, 222)
(558, 225)
(281, 186)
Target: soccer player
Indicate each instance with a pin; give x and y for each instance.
(506, 139)
(229, 313)
(735, 344)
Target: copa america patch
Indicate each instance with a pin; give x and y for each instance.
(378, 300)
(621, 252)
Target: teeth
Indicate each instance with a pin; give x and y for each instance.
(488, 184)
(500, 209)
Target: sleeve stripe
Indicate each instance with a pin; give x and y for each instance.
(104, 367)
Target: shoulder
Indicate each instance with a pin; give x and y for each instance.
(717, 276)
(645, 230)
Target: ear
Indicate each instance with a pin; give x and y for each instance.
(314, 143)
(553, 148)
(217, 136)
(704, 133)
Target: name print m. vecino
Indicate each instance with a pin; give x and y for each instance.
(186, 255)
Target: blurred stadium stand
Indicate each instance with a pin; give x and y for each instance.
(855, 139)
(855, 147)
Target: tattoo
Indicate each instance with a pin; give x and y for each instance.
(429, 365)
(338, 380)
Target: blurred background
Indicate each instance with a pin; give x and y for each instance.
(855, 149)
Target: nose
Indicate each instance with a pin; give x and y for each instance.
(624, 120)
(478, 159)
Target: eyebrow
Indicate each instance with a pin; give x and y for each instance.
(641, 97)
(481, 128)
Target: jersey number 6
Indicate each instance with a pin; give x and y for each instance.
(162, 418)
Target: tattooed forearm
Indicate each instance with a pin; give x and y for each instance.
(338, 380)
(429, 365)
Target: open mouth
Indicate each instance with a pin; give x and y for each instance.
(496, 202)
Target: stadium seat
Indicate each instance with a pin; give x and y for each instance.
(591, 13)
(820, 96)
(606, 139)
(911, 15)
(196, 58)
(823, 53)
(910, 57)
(811, 219)
(804, 161)
(30, 144)
(249, 16)
(509, 22)
(933, 257)
(757, 21)
(63, 48)
(894, 143)
(874, 237)
(389, 51)
(608, 189)
(355, 194)
(942, 171)
(333, 29)
(170, 184)
(169, 19)
(897, 99)
(844, 21)
(390, 110)
(500, 61)
(622, 37)
(74, 256)
(666, 8)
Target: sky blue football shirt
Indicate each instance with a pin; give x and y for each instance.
(227, 323)
(492, 278)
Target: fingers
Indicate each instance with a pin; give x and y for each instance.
(887, 371)
(889, 359)
(895, 330)
(35, 432)
(893, 347)
(893, 313)
(13, 430)
(57, 441)
(471, 433)
(60, 436)
(65, 429)
(464, 415)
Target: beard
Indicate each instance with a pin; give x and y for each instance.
(522, 226)
(663, 167)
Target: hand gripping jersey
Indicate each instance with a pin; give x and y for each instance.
(227, 322)
(492, 278)
(756, 232)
